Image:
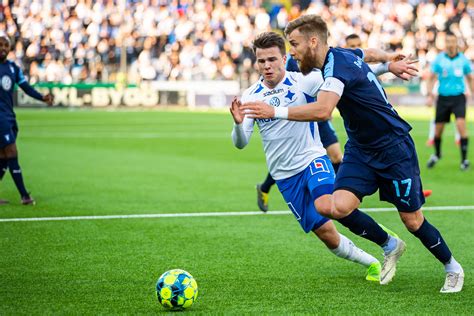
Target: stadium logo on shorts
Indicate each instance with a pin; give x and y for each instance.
(275, 101)
(6, 83)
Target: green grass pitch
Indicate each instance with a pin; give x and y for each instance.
(80, 162)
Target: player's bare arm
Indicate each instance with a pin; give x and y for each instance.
(375, 55)
(404, 69)
(433, 77)
(320, 110)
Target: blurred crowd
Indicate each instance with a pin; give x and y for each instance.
(95, 40)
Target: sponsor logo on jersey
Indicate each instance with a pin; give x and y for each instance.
(272, 92)
(275, 101)
(6, 83)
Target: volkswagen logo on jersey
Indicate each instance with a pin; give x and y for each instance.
(6, 83)
(275, 101)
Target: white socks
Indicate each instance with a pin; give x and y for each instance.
(452, 266)
(347, 250)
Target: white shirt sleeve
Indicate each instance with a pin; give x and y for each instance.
(311, 83)
(242, 132)
(379, 69)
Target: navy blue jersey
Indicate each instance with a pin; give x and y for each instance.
(10, 74)
(369, 119)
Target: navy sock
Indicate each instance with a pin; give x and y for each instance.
(15, 171)
(464, 142)
(437, 143)
(336, 166)
(267, 184)
(433, 241)
(363, 225)
(3, 167)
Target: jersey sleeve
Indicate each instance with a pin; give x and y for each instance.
(19, 76)
(241, 133)
(311, 83)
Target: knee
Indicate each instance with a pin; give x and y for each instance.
(324, 207)
(341, 209)
(412, 221)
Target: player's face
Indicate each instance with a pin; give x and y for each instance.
(4, 49)
(301, 51)
(354, 43)
(270, 65)
(451, 45)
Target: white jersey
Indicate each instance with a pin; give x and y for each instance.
(289, 146)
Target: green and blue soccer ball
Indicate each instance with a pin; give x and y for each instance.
(176, 289)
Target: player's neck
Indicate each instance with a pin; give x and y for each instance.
(271, 85)
(323, 52)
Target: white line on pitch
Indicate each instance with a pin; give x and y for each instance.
(209, 214)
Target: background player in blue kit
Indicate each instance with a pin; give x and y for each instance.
(379, 154)
(450, 68)
(11, 74)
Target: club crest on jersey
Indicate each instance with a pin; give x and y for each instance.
(6, 83)
(275, 101)
(319, 165)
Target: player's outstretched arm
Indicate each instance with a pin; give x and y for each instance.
(29, 90)
(320, 110)
(374, 55)
(404, 69)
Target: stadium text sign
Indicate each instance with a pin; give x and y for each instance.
(196, 94)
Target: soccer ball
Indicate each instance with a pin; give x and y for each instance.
(176, 289)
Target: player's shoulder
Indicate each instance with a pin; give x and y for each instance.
(298, 79)
(253, 90)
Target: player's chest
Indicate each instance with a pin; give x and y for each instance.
(283, 97)
(7, 78)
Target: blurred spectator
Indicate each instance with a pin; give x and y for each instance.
(81, 40)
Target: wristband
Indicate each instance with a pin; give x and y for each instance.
(281, 113)
(385, 67)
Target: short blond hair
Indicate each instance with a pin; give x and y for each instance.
(308, 25)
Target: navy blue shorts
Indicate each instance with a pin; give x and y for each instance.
(327, 133)
(8, 133)
(301, 190)
(394, 171)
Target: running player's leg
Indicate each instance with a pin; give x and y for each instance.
(263, 190)
(459, 111)
(299, 190)
(443, 114)
(402, 187)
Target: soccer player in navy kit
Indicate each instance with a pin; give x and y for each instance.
(450, 68)
(11, 74)
(379, 154)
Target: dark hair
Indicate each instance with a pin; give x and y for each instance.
(268, 40)
(308, 25)
(352, 36)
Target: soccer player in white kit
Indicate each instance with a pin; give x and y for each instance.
(295, 155)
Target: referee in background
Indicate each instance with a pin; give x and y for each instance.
(450, 68)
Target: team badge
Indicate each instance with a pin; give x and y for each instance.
(275, 101)
(6, 83)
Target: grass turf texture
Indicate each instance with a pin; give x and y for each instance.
(109, 163)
